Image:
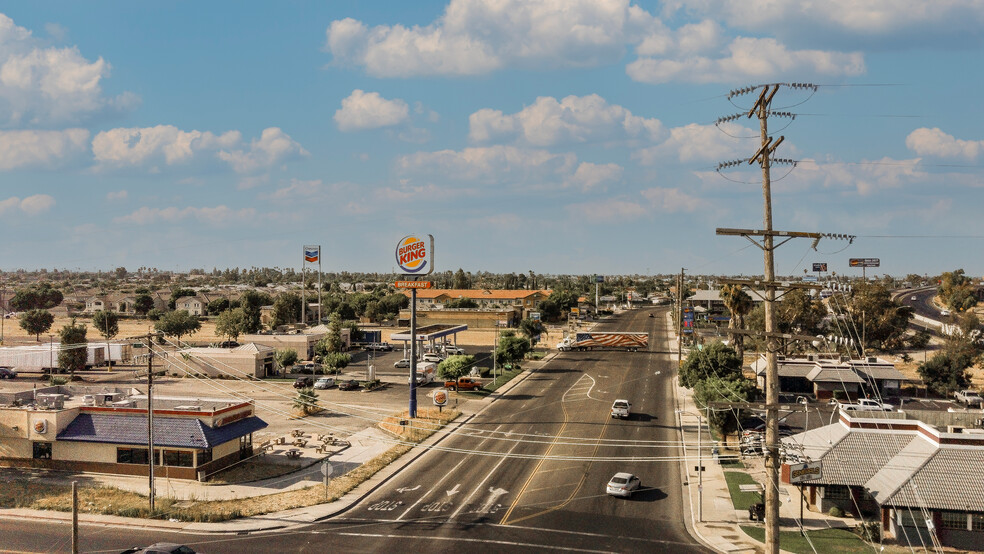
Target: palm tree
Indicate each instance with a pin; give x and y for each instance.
(738, 303)
(531, 328)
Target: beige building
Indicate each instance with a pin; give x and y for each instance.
(104, 430)
(248, 360)
(301, 340)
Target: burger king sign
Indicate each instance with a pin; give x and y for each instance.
(415, 254)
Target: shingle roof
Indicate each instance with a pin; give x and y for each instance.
(949, 479)
(821, 374)
(168, 431)
(879, 372)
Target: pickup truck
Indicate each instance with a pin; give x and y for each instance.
(969, 397)
(866, 404)
(620, 409)
(463, 383)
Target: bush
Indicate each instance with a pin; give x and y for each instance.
(370, 385)
(869, 531)
(835, 511)
(58, 381)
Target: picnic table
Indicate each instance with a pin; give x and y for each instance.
(297, 433)
(293, 453)
(300, 442)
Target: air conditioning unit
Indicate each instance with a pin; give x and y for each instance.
(88, 400)
(954, 429)
(973, 431)
(100, 398)
(52, 401)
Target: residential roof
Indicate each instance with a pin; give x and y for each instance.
(827, 374)
(935, 477)
(177, 432)
(878, 372)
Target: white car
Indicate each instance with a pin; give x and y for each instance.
(623, 484)
(405, 362)
(453, 350)
(620, 409)
(432, 357)
(945, 313)
(324, 383)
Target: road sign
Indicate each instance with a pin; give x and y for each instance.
(412, 284)
(326, 468)
(535, 316)
(599, 278)
(808, 471)
(819, 266)
(810, 278)
(441, 397)
(865, 262)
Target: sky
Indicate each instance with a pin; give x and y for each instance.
(558, 136)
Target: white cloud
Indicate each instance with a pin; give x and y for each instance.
(165, 144)
(42, 85)
(217, 215)
(866, 177)
(671, 200)
(118, 195)
(32, 205)
(368, 110)
(489, 164)
(40, 148)
(611, 210)
(867, 17)
(479, 36)
(695, 142)
(590, 176)
(575, 119)
(934, 142)
(274, 147)
(299, 188)
(747, 58)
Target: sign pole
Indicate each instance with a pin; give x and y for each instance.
(413, 354)
(802, 531)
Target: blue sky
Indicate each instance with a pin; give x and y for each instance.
(559, 136)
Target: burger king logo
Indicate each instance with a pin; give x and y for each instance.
(41, 426)
(412, 253)
(440, 397)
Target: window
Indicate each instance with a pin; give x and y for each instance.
(178, 458)
(42, 451)
(836, 492)
(131, 456)
(953, 520)
(977, 522)
(205, 456)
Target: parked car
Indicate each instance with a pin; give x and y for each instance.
(303, 382)
(351, 384)
(405, 362)
(432, 357)
(969, 397)
(452, 350)
(7, 373)
(228, 344)
(384, 346)
(945, 313)
(623, 484)
(324, 383)
(160, 548)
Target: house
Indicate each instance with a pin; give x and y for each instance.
(194, 305)
(247, 360)
(919, 483)
(829, 376)
(104, 430)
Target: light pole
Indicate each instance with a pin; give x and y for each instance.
(700, 466)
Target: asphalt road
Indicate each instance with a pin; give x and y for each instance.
(527, 473)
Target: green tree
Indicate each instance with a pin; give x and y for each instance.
(178, 324)
(531, 328)
(143, 303)
(461, 303)
(39, 297)
(714, 360)
(74, 348)
(733, 388)
(307, 401)
(107, 323)
(156, 314)
(179, 293)
(738, 304)
(455, 366)
(218, 306)
(461, 281)
(286, 309)
(334, 362)
(511, 349)
(881, 321)
(251, 302)
(36, 322)
(231, 323)
(285, 358)
(957, 291)
(946, 371)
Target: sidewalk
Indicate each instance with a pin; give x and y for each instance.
(365, 446)
(720, 525)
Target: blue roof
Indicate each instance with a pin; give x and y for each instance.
(178, 432)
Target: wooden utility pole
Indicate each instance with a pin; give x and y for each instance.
(680, 318)
(75, 517)
(150, 418)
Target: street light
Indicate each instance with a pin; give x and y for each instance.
(700, 466)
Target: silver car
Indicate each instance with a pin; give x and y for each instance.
(623, 484)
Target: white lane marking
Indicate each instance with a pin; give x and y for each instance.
(494, 494)
(483, 541)
(482, 484)
(426, 494)
(402, 490)
(454, 490)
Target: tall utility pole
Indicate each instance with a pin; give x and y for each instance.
(680, 317)
(150, 417)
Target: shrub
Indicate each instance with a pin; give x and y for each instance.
(869, 531)
(835, 511)
(58, 381)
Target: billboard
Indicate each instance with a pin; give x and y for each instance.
(819, 266)
(865, 262)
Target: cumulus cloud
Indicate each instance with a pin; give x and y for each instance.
(32, 205)
(866, 177)
(118, 195)
(42, 85)
(650, 201)
(746, 58)
(479, 36)
(217, 215)
(170, 146)
(575, 119)
(695, 142)
(590, 176)
(671, 200)
(368, 110)
(273, 147)
(934, 142)
(489, 164)
(40, 148)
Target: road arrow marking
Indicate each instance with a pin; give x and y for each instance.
(406, 489)
(454, 490)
